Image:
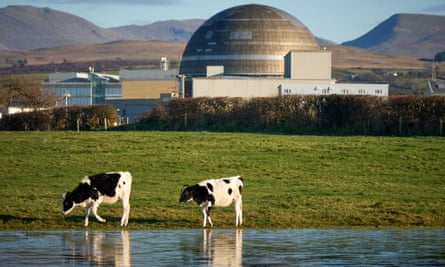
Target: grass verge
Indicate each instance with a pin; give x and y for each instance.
(290, 181)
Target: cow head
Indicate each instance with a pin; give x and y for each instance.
(186, 194)
(196, 192)
(67, 203)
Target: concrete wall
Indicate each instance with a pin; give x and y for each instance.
(242, 87)
(309, 65)
(148, 88)
(334, 88)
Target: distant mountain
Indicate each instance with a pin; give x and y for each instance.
(169, 30)
(122, 51)
(27, 27)
(415, 35)
(324, 42)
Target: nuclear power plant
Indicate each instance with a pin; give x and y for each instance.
(244, 51)
(259, 51)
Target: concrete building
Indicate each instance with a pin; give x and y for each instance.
(259, 51)
(157, 84)
(244, 51)
(132, 92)
(83, 88)
(143, 89)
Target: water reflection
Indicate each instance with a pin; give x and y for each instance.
(224, 247)
(97, 248)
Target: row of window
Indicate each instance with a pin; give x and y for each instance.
(343, 91)
(82, 95)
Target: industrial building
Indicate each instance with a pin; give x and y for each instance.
(259, 51)
(83, 88)
(244, 51)
(132, 92)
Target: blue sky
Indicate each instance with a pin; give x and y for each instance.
(335, 20)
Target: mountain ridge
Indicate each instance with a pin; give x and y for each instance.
(26, 28)
(417, 35)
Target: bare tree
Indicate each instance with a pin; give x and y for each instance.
(22, 91)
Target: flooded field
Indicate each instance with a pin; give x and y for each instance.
(221, 247)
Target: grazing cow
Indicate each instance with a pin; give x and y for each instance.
(216, 193)
(103, 187)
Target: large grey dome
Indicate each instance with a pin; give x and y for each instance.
(246, 40)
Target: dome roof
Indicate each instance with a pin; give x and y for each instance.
(246, 40)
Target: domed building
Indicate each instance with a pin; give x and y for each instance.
(256, 51)
(249, 40)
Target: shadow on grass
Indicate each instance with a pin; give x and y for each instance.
(10, 218)
(148, 222)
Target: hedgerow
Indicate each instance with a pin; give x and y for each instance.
(64, 118)
(332, 114)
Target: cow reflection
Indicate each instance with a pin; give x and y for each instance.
(222, 248)
(98, 248)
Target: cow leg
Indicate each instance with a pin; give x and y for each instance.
(205, 206)
(208, 216)
(204, 214)
(239, 213)
(94, 209)
(125, 212)
(87, 214)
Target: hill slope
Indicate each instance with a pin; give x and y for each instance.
(169, 30)
(415, 35)
(26, 27)
(342, 56)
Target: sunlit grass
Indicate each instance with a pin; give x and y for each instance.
(290, 181)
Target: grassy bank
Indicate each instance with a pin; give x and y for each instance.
(290, 181)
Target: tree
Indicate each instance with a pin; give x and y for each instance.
(22, 91)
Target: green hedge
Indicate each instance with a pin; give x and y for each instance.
(64, 118)
(333, 114)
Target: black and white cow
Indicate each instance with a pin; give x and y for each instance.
(103, 187)
(216, 193)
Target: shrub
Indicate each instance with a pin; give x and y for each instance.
(86, 117)
(331, 114)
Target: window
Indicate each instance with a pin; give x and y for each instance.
(240, 35)
(209, 35)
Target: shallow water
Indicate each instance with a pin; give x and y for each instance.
(218, 247)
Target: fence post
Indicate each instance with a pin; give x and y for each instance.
(400, 125)
(440, 127)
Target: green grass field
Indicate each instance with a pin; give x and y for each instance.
(290, 181)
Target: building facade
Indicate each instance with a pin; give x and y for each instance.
(131, 93)
(83, 88)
